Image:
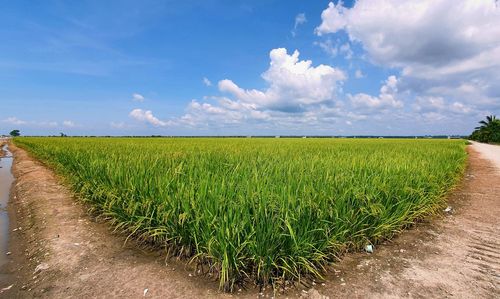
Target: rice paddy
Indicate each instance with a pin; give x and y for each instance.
(258, 210)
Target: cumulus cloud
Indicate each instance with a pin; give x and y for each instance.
(298, 94)
(299, 20)
(138, 97)
(442, 48)
(293, 84)
(147, 116)
(386, 99)
(333, 19)
(207, 82)
(428, 32)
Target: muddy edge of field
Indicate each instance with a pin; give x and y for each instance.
(454, 255)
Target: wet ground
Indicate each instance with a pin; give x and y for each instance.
(6, 180)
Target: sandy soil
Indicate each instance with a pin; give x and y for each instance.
(490, 152)
(456, 255)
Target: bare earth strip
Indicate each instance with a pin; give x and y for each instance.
(458, 256)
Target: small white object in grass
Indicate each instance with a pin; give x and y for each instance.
(145, 292)
(448, 209)
(369, 248)
(8, 253)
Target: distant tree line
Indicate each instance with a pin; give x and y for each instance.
(489, 131)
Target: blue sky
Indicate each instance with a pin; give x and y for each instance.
(230, 67)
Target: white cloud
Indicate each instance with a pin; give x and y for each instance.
(444, 49)
(148, 117)
(298, 95)
(346, 50)
(18, 122)
(386, 99)
(328, 46)
(460, 108)
(430, 104)
(14, 121)
(207, 82)
(333, 19)
(68, 124)
(138, 97)
(334, 48)
(293, 84)
(428, 32)
(299, 20)
(359, 74)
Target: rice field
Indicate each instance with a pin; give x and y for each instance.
(257, 210)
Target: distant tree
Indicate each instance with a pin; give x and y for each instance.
(63, 135)
(489, 131)
(15, 133)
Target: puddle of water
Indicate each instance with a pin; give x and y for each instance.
(6, 180)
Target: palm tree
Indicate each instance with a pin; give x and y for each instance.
(490, 120)
(489, 131)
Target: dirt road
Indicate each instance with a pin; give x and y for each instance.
(490, 152)
(59, 251)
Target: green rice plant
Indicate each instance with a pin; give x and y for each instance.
(261, 210)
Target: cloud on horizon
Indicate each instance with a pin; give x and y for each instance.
(443, 48)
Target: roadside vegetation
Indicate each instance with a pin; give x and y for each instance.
(488, 132)
(261, 210)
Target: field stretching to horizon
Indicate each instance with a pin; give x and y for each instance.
(257, 210)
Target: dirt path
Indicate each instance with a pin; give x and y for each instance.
(457, 256)
(490, 152)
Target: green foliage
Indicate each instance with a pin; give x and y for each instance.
(489, 131)
(15, 133)
(265, 210)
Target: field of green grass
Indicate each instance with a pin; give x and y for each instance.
(260, 210)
